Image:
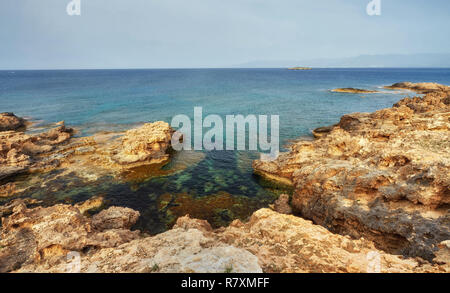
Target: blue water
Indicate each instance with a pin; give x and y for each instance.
(94, 100)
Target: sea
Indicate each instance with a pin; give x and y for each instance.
(218, 186)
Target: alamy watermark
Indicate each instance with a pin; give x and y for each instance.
(373, 262)
(73, 259)
(235, 126)
(374, 8)
(74, 8)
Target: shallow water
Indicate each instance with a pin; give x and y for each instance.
(218, 186)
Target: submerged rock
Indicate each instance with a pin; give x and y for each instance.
(384, 176)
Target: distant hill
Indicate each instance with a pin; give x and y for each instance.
(391, 60)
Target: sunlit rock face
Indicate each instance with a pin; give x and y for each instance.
(20, 152)
(384, 176)
(40, 240)
(45, 235)
(9, 121)
(149, 143)
(290, 244)
(421, 87)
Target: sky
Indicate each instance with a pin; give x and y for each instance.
(39, 34)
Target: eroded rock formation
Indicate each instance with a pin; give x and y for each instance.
(40, 234)
(20, 152)
(87, 157)
(384, 176)
(39, 240)
(9, 121)
(421, 87)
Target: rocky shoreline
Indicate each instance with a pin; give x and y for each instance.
(373, 185)
(104, 154)
(384, 176)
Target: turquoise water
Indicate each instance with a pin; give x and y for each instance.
(222, 182)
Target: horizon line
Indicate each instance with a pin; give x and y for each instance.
(234, 67)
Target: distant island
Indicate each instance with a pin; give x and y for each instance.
(353, 91)
(300, 68)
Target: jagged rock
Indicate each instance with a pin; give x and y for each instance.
(93, 203)
(103, 154)
(281, 205)
(422, 87)
(443, 254)
(148, 143)
(46, 235)
(115, 218)
(9, 171)
(290, 244)
(9, 121)
(7, 189)
(8, 208)
(384, 176)
(39, 239)
(19, 151)
(321, 131)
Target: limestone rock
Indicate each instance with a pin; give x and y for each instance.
(443, 254)
(422, 87)
(90, 158)
(39, 240)
(384, 176)
(19, 152)
(46, 235)
(148, 143)
(115, 218)
(9, 121)
(93, 203)
(282, 206)
(290, 244)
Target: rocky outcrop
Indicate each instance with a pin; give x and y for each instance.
(45, 235)
(149, 144)
(422, 87)
(282, 205)
(20, 152)
(290, 244)
(353, 91)
(103, 154)
(41, 239)
(321, 131)
(384, 176)
(9, 121)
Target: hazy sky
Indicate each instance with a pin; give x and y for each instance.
(38, 34)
